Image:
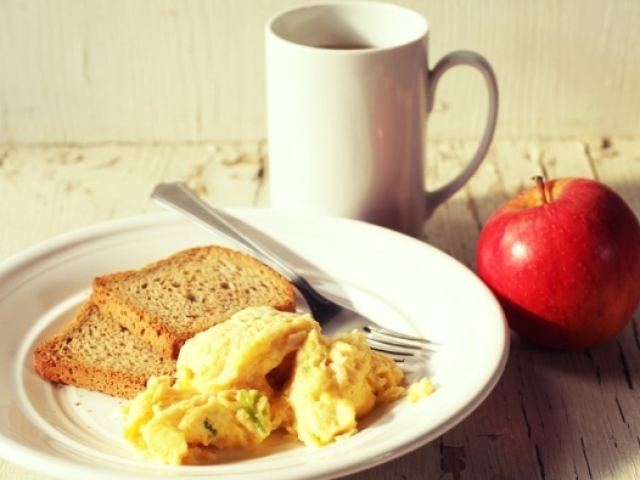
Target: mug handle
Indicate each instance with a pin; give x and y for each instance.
(472, 59)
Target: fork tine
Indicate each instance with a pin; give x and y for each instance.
(392, 355)
(381, 332)
(395, 348)
(395, 341)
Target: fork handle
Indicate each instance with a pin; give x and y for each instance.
(179, 197)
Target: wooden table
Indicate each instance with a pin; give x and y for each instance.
(551, 416)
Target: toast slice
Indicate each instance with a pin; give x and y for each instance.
(169, 301)
(95, 352)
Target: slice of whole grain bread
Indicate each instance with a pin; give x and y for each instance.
(169, 301)
(97, 353)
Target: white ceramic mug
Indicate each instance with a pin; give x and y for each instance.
(348, 92)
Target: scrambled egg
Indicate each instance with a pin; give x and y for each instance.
(419, 390)
(260, 371)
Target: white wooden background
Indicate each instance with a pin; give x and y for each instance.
(191, 71)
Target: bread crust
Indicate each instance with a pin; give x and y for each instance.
(169, 301)
(94, 352)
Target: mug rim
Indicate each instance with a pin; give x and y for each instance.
(418, 33)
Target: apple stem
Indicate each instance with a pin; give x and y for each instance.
(543, 191)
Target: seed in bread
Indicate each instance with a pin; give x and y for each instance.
(97, 353)
(169, 301)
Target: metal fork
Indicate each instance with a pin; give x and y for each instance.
(332, 317)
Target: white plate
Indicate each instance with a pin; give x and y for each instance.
(401, 282)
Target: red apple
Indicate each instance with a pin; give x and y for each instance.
(563, 259)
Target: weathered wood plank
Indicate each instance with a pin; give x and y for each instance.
(552, 415)
(49, 191)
